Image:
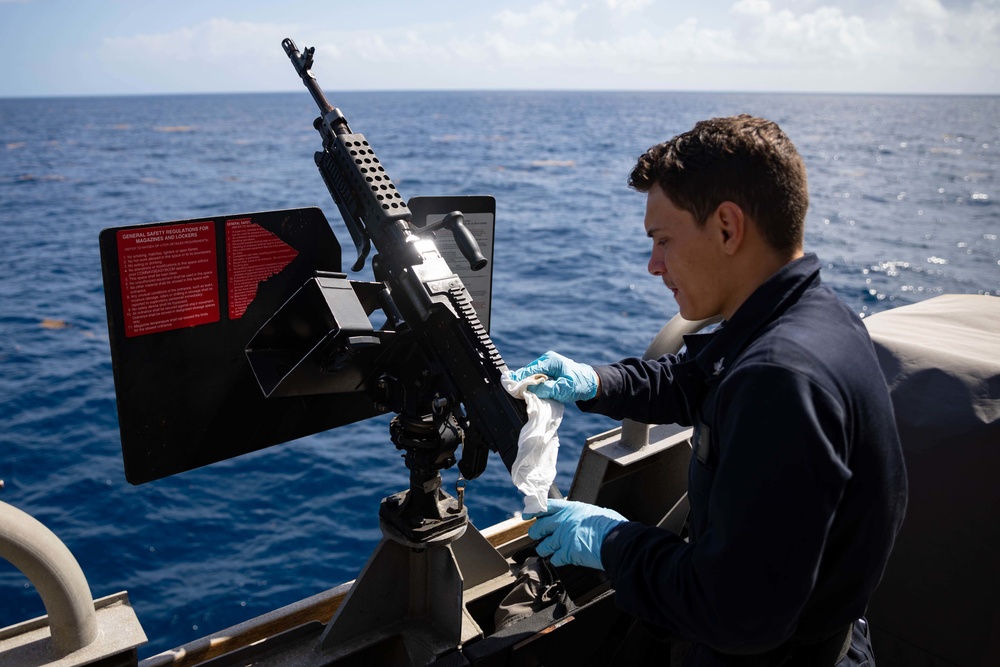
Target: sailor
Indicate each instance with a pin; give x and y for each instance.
(797, 484)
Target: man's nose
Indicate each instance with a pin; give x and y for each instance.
(655, 265)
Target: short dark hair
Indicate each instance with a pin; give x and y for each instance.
(746, 160)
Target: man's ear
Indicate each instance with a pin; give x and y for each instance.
(732, 226)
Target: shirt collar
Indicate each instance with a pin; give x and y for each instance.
(714, 352)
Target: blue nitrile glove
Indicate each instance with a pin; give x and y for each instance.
(569, 381)
(573, 532)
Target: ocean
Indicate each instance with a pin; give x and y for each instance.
(904, 207)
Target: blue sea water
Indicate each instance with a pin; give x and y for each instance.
(904, 207)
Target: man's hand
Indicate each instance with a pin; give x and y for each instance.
(568, 381)
(573, 532)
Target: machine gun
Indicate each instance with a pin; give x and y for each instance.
(433, 362)
(233, 333)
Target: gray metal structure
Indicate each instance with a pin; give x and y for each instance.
(77, 629)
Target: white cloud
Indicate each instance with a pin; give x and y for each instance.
(922, 10)
(752, 7)
(627, 6)
(214, 55)
(548, 18)
(915, 45)
(824, 35)
(211, 39)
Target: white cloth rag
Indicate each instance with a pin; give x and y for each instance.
(534, 469)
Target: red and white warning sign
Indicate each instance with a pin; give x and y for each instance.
(169, 277)
(253, 255)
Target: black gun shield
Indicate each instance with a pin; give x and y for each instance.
(183, 299)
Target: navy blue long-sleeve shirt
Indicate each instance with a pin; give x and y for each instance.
(797, 485)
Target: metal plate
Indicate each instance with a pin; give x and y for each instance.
(183, 299)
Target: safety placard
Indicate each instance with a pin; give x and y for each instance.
(169, 277)
(253, 255)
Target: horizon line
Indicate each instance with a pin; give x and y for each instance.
(679, 91)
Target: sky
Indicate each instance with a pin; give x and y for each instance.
(128, 47)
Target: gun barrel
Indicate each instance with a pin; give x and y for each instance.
(303, 66)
